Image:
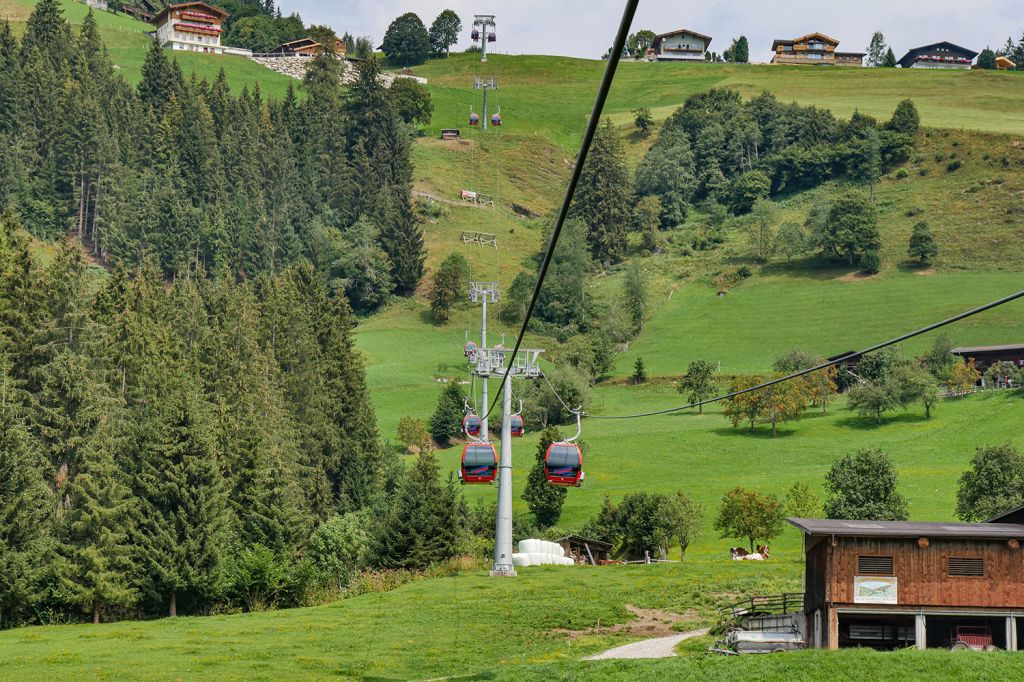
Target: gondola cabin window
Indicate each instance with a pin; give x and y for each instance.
(966, 567)
(874, 565)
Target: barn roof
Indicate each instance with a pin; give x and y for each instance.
(589, 541)
(908, 59)
(908, 529)
(987, 349)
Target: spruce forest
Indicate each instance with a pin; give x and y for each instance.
(213, 370)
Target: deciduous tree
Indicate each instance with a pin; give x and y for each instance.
(699, 383)
(444, 32)
(993, 484)
(864, 486)
(406, 42)
(749, 514)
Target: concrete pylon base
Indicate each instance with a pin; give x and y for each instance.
(504, 573)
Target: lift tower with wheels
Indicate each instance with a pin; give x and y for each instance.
(485, 84)
(482, 31)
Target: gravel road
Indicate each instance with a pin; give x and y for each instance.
(659, 647)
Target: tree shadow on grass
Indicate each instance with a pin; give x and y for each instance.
(762, 432)
(870, 423)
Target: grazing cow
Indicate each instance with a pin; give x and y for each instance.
(741, 554)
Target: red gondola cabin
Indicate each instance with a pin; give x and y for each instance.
(471, 425)
(479, 463)
(470, 349)
(496, 120)
(518, 428)
(563, 465)
(474, 119)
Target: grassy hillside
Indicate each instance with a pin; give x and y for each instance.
(127, 42)
(551, 96)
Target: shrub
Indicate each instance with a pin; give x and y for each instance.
(954, 165)
(902, 174)
(871, 262)
(338, 549)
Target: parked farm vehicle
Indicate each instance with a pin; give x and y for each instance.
(739, 641)
(974, 637)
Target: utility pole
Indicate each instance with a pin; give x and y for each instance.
(485, 84)
(481, 24)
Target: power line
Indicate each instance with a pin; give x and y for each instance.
(588, 138)
(825, 365)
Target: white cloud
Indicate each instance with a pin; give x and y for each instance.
(584, 28)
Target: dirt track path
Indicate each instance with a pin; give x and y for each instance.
(659, 647)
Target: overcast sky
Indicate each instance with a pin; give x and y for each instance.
(585, 28)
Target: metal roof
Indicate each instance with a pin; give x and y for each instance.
(661, 36)
(982, 349)
(908, 58)
(908, 529)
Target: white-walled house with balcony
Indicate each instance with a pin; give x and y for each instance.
(194, 27)
(683, 45)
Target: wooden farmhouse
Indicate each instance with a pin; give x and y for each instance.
(1005, 63)
(307, 47)
(683, 45)
(944, 55)
(893, 584)
(986, 356)
(816, 49)
(192, 26)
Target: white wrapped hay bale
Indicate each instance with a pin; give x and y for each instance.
(521, 560)
(530, 546)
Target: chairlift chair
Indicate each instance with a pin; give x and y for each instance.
(471, 425)
(479, 463)
(563, 461)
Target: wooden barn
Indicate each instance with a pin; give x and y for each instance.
(893, 584)
(585, 550)
(986, 356)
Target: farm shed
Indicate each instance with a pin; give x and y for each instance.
(986, 356)
(1005, 63)
(891, 584)
(585, 550)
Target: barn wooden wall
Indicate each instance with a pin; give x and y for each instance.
(923, 573)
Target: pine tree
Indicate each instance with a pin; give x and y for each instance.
(446, 424)
(381, 158)
(889, 60)
(98, 527)
(48, 33)
(24, 503)
(422, 527)
(545, 501)
(602, 198)
(161, 80)
(922, 243)
(183, 514)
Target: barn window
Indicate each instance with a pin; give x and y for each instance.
(959, 566)
(874, 565)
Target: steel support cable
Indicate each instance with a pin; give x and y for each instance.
(825, 365)
(588, 138)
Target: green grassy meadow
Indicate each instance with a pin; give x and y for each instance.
(539, 625)
(552, 96)
(127, 43)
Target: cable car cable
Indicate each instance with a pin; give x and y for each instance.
(574, 179)
(825, 365)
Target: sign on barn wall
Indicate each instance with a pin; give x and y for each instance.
(874, 590)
